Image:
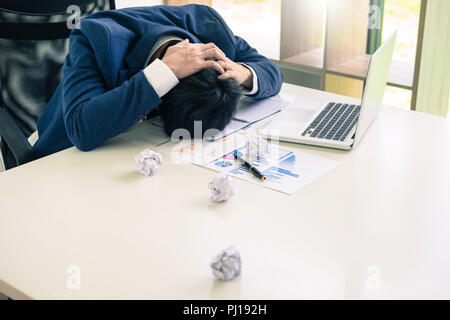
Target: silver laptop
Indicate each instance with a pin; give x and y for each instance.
(337, 124)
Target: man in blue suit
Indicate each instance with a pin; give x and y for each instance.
(123, 64)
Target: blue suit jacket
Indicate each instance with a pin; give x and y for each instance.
(104, 90)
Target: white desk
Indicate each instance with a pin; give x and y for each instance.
(378, 226)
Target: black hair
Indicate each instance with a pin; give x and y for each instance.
(200, 97)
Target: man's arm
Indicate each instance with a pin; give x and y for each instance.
(92, 113)
(269, 76)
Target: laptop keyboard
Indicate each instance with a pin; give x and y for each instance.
(335, 122)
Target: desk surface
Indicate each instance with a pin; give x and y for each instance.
(378, 226)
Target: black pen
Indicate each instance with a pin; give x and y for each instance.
(251, 168)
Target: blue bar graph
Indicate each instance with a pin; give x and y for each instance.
(276, 173)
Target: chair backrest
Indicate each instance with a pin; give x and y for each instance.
(33, 46)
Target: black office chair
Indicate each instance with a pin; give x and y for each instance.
(33, 46)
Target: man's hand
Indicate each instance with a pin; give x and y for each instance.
(185, 59)
(238, 72)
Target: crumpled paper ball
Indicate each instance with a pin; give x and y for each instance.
(227, 264)
(221, 188)
(257, 146)
(148, 162)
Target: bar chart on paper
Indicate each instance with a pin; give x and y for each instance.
(275, 173)
(286, 171)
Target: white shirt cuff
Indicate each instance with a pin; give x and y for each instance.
(255, 82)
(161, 77)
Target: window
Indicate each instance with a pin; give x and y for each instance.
(326, 44)
(257, 21)
(402, 15)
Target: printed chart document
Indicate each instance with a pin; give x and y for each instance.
(286, 171)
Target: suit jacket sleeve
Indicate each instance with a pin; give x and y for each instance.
(92, 113)
(270, 77)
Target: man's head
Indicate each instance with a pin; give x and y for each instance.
(200, 97)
